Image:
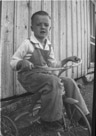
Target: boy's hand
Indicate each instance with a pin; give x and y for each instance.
(74, 59)
(24, 64)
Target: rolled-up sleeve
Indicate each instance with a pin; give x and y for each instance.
(19, 54)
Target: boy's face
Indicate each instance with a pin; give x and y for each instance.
(41, 26)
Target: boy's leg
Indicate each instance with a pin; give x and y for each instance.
(51, 90)
(72, 91)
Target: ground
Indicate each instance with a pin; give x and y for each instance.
(87, 93)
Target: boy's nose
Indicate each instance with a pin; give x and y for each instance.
(42, 26)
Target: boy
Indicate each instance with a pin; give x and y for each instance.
(31, 60)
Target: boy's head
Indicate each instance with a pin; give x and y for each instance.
(40, 24)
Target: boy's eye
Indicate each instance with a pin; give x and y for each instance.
(45, 24)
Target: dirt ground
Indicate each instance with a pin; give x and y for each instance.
(87, 93)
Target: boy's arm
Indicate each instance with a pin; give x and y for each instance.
(53, 63)
(72, 58)
(18, 60)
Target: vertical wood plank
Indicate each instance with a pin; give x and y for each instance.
(54, 24)
(63, 29)
(7, 48)
(0, 66)
(0, 43)
(74, 34)
(79, 34)
(85, 39)
(69, 35)
(88, 33)
(35, 5)
(82, 34)
(46, 6)
(21, 21)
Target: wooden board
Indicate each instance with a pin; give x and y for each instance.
(7, 25)
(70, 35)
(74, 34)
(79, 40)
(69, 42)
(63, 29)
(82, 33)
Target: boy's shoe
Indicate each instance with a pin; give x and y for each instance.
(52, 126)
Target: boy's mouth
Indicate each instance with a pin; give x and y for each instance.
(42, 32)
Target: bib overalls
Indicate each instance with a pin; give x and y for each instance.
(49, 86)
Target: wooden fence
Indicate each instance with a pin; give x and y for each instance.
(70, 34)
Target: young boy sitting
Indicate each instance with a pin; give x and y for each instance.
(31, 61)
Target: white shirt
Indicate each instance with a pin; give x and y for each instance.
(26, 50)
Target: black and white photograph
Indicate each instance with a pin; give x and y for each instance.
(47, 67)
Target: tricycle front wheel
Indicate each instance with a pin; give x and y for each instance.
(72, 128)
(8, 127)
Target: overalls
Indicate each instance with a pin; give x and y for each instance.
(49, 86)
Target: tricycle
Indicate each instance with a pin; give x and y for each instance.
(21, 111)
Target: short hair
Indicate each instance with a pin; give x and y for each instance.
(43, 13)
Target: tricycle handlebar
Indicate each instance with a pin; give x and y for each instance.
(64, 67)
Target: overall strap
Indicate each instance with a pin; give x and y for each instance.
(42, 54)
(38, 58)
